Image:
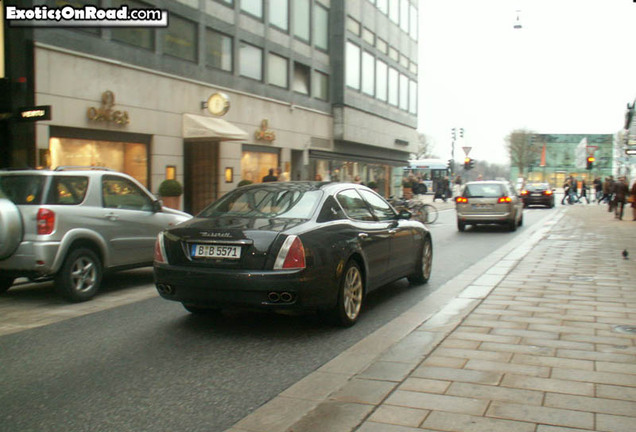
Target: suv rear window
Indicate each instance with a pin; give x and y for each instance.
(23, 189)
(484, 190)
(67, 190)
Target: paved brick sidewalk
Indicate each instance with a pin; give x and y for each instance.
(534, 344)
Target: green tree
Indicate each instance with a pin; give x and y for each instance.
(424, 147)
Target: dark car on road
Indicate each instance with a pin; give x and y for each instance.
(292, 246)
(538, 194)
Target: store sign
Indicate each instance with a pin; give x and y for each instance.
(264, 133)
(36, 113)
(105, 112)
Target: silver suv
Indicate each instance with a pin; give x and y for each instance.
(74, 223)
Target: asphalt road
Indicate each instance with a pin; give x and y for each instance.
(151, 366)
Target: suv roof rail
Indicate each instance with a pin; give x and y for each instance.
(82, 167)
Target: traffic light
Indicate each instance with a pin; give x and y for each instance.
(461, 132)
(468, 163)
(451, 165)
(471, 164)
(590, 162)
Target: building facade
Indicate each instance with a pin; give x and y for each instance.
(562, 155)
(229, 90)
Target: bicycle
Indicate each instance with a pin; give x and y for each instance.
(423, 212)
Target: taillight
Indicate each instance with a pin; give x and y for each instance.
(45, 221)
(160, 253)
(291, 254)
(505, 199)
(524, 192)
(547, 192)
(461, 200)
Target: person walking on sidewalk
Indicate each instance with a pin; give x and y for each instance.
(598, 188)
(584, 190)
(621, 191)
(606, 191)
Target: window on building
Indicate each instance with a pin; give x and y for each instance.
(253, 7)
(413, 68)
(277, 70)
(381, 71)
(413, 26)
(368, 36)
(301, 78)
(301, 15)
(353, 26)
(368, 77)
(383, 6)
(404, 92)
(142, 37)
(394, 54)
(180, 39)
(321, 27)
(404, 61)
(394, 85)
(383, 47)
(353, 66)
(251, 61)
(404, 15)
(227, 2)
(394, 11)
(279, 14)
(218, 50)
(320, 85)
(412, 97)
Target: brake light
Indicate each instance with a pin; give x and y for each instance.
(291, 254)
(547, 192)
(461, 200)
(524, 192)
(160, 253)
(505, 199)
(45, 221)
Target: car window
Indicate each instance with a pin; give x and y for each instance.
(380, 208)
(293, 203)
(537, 187)
(67, 190)
(23, 189)
(330, 211)
(484, 190)
(354, 206)
(121, 193)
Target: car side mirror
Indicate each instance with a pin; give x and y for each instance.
(157, 206)
(404, 214)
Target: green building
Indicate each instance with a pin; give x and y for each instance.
(562, 155)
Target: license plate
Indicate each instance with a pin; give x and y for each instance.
(482, 206)
(216, 251)
(537, 194)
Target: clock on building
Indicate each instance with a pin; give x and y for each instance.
(218, 104)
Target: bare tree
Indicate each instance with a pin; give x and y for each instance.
(424, 147)
(522, 150)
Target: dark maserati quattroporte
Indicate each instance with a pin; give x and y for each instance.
(291, 246)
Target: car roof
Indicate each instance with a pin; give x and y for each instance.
(76, 170)
(305, 185)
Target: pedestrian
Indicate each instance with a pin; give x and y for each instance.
(419, 189)
(270, 177)
(621, 192)
(281, 176)
(438, 189)
(598, 188)
(611, 198)
(358, 180)
(632, 198)
(448, 193)
(583, 192)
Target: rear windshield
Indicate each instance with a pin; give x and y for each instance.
(537, 187)
(265, 202)
(23, 189)
(484, 190)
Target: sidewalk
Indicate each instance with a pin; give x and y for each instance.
(538, 337)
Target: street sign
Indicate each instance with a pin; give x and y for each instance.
(630, 152)
(466, 150)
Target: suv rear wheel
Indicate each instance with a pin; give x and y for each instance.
(80, 276)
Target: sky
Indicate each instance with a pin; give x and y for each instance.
(571, 68)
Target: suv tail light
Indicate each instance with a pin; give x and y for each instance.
(291, 255)
(461, 200)
(547, 192)
(45, 221)
(524, 192)
(160, 252)
(504, 200)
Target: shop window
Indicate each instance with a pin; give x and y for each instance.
(277, 70)
(142, 37)
(368, 77)
(381, 80)
(251, 61)
(279, 14)
(218, 50)
(320, 85)
(253, 7)
(255, 165)
(302, 23)
(180, 39)
(353, 66)
(301, 78)
(321, 27)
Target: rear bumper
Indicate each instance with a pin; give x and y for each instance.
(31, 259)
(242, 288)
(541, 200)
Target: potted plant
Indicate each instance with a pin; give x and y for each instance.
(170, 192)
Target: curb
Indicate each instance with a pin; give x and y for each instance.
(392, 352)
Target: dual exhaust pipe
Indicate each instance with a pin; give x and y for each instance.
(166, 289)
(280, 297)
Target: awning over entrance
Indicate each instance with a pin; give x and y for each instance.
(197, 126)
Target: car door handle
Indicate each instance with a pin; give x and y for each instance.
(111, 216)
(363, 235)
